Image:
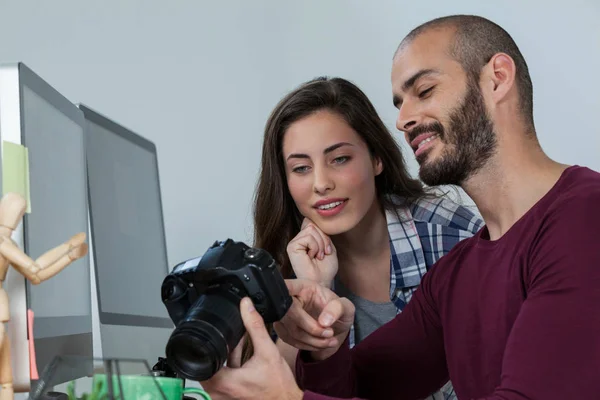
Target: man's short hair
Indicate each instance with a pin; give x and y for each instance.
(476, 40)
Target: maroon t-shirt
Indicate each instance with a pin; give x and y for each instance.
(515, 318)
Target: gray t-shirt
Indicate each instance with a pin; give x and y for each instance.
(369, 315)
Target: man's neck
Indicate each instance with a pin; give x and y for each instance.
(512, 182)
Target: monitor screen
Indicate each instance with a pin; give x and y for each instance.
(53, 131)
(127, 224)
(59, 210)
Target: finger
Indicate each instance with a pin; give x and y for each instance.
(314, 232)
(303, 327)
(255, 326)
(300, 321)
(284, 334)
(313, 229)
(305, 240)
(334, 310)
(235, 357)
(332, 249)
(301, 340)
(327, 243)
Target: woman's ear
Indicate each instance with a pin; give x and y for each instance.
(377, 166)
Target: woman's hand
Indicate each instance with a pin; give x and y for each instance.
(318, 320)
(313, 255)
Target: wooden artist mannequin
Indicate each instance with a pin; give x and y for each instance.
(12, 209)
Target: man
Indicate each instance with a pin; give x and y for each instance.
(514, 312)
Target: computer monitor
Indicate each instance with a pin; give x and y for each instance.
(35, 115)
(128, 245)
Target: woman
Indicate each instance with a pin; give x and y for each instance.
(335, 203)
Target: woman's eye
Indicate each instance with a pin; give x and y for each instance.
(341, 160)
(300, 170)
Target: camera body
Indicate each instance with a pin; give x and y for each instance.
(202, 296)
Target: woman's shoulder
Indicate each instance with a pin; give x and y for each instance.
(432, 226)
(444, 212)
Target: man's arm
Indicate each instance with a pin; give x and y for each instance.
(404, 357)
(553, 351)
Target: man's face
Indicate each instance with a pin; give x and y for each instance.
(441, 111)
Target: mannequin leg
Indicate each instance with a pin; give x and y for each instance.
(6, 378)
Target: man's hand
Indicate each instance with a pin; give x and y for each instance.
(266, 376)
(313, 255)
(317, 321)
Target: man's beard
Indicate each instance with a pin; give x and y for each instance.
(470, 143)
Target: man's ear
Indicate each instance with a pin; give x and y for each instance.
(498, 77)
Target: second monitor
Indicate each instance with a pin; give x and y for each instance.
(127, 240)
(38, 121)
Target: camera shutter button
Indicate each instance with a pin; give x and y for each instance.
(252, 253)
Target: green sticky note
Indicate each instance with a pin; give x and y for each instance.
(15, 170)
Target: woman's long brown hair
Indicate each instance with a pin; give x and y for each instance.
(276, 218)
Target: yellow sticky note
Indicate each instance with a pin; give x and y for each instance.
(15, 170)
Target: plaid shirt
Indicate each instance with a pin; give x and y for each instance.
(425, 232)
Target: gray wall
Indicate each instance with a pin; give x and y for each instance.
(199, 79)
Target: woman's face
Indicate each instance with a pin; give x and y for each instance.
(330, 172)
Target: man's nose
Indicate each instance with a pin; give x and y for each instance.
(408, 117)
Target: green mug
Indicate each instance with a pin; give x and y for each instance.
(144, 387)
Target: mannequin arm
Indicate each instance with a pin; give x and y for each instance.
(53, 255)
(49, 263)
(21, 261)
(54, 268)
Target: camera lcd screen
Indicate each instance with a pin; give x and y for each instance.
(189, 264)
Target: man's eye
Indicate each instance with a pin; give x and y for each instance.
(425, 92)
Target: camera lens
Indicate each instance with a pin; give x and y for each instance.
(200, 344)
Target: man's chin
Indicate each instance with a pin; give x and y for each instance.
(425, 175)
(430, 173)
(425, 162)
(438, 174)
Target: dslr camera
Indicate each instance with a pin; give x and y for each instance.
(202, 296)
